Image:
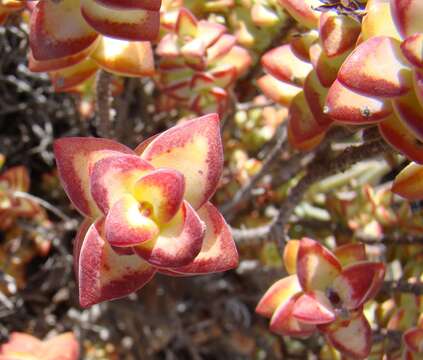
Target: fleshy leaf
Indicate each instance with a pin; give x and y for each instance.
(317, 267)
(77, 243)
(413, 339)
(283, 64)
(277, 90)
(72, 76)
(315, 94)
(407, 15)
(58, 30)
(300, 43)
(24, 343)
(398, 136)
(209, 32)
(201, 81)
(61, 347)
(221, 47)
(194, 53)
(263, 15)
(163, 190)
(290, 254)
(218, 252)
(168, 47)
(127, 58)
(178, 243)
(412, 48)
(283, 323)
(238, 57)
(224, 76)
(339, 33)
(280, 292)
(409, 182)
(408, 110)
(350, 107)
(378, 21)
(22, 346)
(303, 11)
(377, 67)
(358, 283)
(60, 63)
(186, 24)
(313, 308)
(304, 132)
(194, 149)
(121, 23)
(75, 158)
(352, 338)
(418, 86)
(132, 4)
(113, 176)
(105, 275)
(350, 253)
(326, 68)
(129, 224)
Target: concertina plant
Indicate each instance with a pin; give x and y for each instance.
(72, 40)
(146, 210)
(325, 292)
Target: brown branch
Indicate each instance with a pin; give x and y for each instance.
(316, 171)
(251, 105)
(393, 240)
(403, 287)
(244, 194)
(319, 170)
(383, 334)
(103, 98)
(123, 123)
(302, 159)
(55, 210)
(288, 168)
(251, 235)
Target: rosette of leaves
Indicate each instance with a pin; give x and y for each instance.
(324, 292)
(382, 80)
(146, 210)
(199, 63)
(71, 40)
(300, 72)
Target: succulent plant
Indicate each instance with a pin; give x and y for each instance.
(300, 73)
(324, 292)
(147, 209)
(198, 63)
(73, 39)
(381, 78)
